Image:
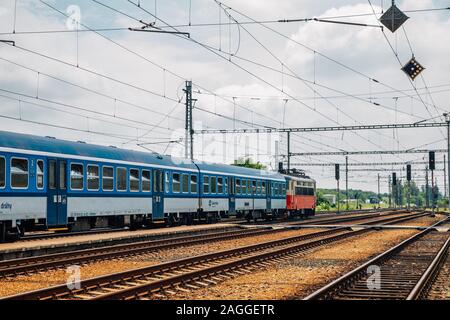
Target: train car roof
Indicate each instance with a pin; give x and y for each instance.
(219, 168)
(32, 144)
(49, 146)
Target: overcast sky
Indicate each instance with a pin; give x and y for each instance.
(298, 74)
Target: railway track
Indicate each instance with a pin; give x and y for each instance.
(34, 264)
(405, 271)
(190, 273)
(54, 235)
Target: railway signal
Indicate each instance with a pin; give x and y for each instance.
(408, 178)
(431, 160)
(393, 18)
(337, 176)
(413, 68)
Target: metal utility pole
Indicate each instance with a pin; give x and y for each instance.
(390, 191)
(447, 119)
(427, 196)
(189, 133)
(337, 176)
(445, 178)
(378, 189)
(346, 180)
(288, 151)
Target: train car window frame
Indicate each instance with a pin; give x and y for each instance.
(124, 170)
(138, 180)
(213, 185)
(11, 173)
(144, 182)
(107, 177)
(40, 174)
(237, 186)
(93, 177)
(167, 176)
(225, 185)
(76, 176)
(206, 187)
(185, 182)
(220, 185)
(263, 188)
(3, 183)
(194, 184)
(176, 182)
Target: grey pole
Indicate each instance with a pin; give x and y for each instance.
(346, 180)
(447, 118)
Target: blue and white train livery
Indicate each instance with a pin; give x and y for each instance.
(46, 182)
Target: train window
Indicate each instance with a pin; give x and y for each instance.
(263, 188)
(249, 187)
(52, 174)
(193, 183)
(238, 186)
(275, 189)
(158, 181)
(134, 180)
(19, 173)
(225, 186)
(146, 182)
(213, 185)
(121, 179)
(108, 179)
(175, 182)
(62, 175)
(220, 185)
(40, 174)
(2, 172)
(167, 181)
(185, 183)
(76, 176)
(205, 184)
(93, 178)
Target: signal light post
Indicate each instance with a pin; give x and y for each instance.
(431, 158)
(408, 178)
(394, 189)
(337, 176)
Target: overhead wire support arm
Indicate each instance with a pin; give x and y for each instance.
(161, 31)
(322, 129)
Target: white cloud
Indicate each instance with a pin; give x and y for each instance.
(364, 49)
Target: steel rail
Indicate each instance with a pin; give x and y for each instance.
(330, 290)
(99, 283)
(43, 262)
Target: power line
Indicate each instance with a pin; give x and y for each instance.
(345, 153)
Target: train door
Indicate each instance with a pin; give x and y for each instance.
(56, 192)
(232, 196)
(158, 194)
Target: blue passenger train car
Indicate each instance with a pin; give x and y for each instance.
(46, 182)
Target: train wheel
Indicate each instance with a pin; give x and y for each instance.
(173, 220)
(2, 232)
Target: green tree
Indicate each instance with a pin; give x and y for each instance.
(248, 163)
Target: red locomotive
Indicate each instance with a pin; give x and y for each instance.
(300, 194)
